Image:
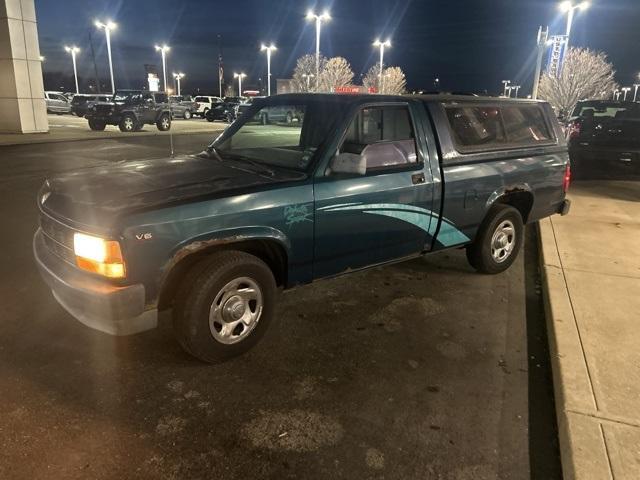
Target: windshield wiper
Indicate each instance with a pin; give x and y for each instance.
(241, 158)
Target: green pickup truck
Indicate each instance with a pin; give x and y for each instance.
(354, 181)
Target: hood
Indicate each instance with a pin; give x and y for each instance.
(98, 196)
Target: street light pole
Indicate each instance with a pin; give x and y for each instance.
(516, 88)
(163, 50)
(73, 50)
(308, 77)
(625, 90)
(569, 7)
(380, 44)
(239, 76)
(635, 91)
(543, 35)
(178, 77)
(318, 18)
(268, 49)
(108, 26)
(506, 84)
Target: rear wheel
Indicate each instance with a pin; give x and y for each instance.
(96, 125)
(187, 114)
(289, 117)
(164, 122)
(224, 306)
(498, 241)
(127, 123)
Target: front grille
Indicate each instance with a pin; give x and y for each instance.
(58, 238)
(103, 109)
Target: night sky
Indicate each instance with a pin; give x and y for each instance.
(471, 45)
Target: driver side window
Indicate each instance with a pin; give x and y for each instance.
(384, 136)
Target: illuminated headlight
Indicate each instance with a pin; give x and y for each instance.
(97, 255)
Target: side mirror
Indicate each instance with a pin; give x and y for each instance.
(348, 163)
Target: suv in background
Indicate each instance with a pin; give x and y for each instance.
(604, 140)
(130, 110)
(227, 110)
(81, 103)
(182, 106)
(204, 103)
(57, 103)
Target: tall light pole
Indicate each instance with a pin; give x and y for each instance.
(569, 7)
(73, 50)
(543, 36)
(635, 91)
(514, 87)
(268, 49)
(506, 84)
(178, 77)
(308, 77)
(239, 76)
(625, 90)
(163, 50)
(381, 45)
(108, 26)
(318, 18)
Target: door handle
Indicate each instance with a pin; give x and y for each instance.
(417, 178)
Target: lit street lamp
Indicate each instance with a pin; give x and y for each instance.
(268, 49)
(625, 90)
(239, 76)
(514, 87)
(178, 77)
(569, 7)
(163, 50)
(108, 26)
(380, 44)
(73, 50)
(318, 18)
(506, 84)
(308, 77)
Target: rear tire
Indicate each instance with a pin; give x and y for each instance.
(96, 125)
(498, 241)
(224, 306)
(164, 122)
(187, 114)
(128, 123)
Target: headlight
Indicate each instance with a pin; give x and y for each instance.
(97, 255)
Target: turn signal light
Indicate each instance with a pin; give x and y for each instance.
(566, 181)
(97, 255)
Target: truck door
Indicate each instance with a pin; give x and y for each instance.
(384, 213)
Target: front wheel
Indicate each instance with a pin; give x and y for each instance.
(164, 122)
(498, 241)
(224, 306)
(128, 123)
(187, 114)
(96, 125)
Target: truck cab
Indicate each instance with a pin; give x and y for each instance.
(359, 181)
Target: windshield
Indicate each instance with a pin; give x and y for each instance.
(599, 109)
(280, 135)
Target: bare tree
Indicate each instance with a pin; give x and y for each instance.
(393, 81)
(305, 72)
(585, 74)
(336, 73)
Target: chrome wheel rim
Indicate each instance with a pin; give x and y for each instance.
(165, 123)
(128, 123)
(236, 310)
(503, 241)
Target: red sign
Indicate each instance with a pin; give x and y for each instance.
(347, 89)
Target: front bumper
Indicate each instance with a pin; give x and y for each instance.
(116, 310)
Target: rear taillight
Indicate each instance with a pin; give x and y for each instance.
(566, 181)
(573, 130)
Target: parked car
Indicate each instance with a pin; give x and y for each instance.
(182, 106)
(57, 103)
(81, 103)
(604, 140)
(246, 104)
(226, 111)
(130, 110)
(204, 103)
(361, 181)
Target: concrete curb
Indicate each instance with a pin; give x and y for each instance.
(582, 447)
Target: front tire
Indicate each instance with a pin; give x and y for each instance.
(187, 114)
(498, 241)
(224, 306)
(164, 122)
(96, 125)
(128, 123)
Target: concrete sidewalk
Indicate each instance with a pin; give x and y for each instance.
(591, 271)
(69, 128)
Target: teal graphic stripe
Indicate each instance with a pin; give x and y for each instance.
(420, 217)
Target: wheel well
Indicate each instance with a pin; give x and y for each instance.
(521, 200)
(269, 251)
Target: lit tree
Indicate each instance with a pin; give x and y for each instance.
(585, 74)
(393, 80)
(304, 74)
(336, 73)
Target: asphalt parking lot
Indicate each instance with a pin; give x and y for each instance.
(419, 370)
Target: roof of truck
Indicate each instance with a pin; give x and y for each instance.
(358, 97)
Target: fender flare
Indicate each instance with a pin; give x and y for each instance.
(504, 191)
